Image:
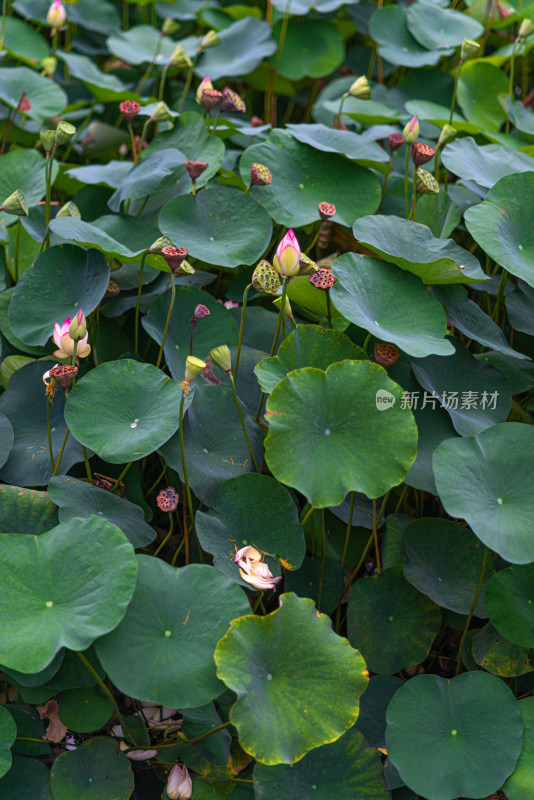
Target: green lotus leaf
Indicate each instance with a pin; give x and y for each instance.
(97, 770)
(440, 28)
(389, 27)
(242, 46)
(510, 599)
(312, 48)
(26, 775)
(520, 307)
(104, 86)
(310, 704)
(519, 374)
(352, 145)
(24, 170)
(25, 511)
(520, 784)
(479, 88)
(484, 480)
(84, 710)
(7, 437)
(389, 304)
(503, 223)
(58, 592)
(439, 115)
(124, 238)
(8, 734)
(163, 649)
(470, 728)
(124, 410)
(46, 97)
(30, 726)
(23, 42)
(386, 608)
(358, 773)
(373, 706)
(303, 177)
(154, 174)
(141, 44)
(412, 247)
(439, 212)
(494, 653)
(486, 164)
(329, 432)
(304, 582)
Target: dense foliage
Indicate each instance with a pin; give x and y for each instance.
(266, 443)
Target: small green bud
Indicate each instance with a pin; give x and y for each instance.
(78, 327)
(179, 58)
(48, 140)
(526, 28)
(64, 132)
(447, 135)
(15, 204)
(211, 39)
(361, 89)
(161, 113)
(170, 27)
(159, 244)
(469, 49)
(221, 357)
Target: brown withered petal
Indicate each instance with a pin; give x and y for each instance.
(260, 175)
(174, 257)
(323, 279)
(326, 210)
(210, 99)
(129, 109)
(421, 153)
(232, 103)
(395, 140)
(386, 354)
(168, 499)
(63, 374)
(113, 289)
(201, 311)
(256, 122)
(195, 168)
(102, 483)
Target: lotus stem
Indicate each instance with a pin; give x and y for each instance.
(17, 248)
(511, 86)
(307, 516)
(60, 456)
(108, 694)
(500, 293)
(121, 476)
(471, 611)
(453, 101)
(166, 539)
(186, 479)
(241, 326)
(188, 80)
(323, 559)
(280, 316)
(328, 309)
(167, 321)
(414, 194)
(49, 431)
(406, 169)
(138, 304)
(242, 421)
(132, 140)
(375, 537)
(349, 528)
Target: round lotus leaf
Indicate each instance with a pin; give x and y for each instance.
(503, 223)
(292, 671)
(38, 678)
(84, 710)
(487, 165)
(124, 238)
(28, 463)
(7, 437)
(388, 27)
(58, 592)
(510, 603)
(8, 734)
(412, 246)
(350, 144)
(443, 560)
(140, 44)
(242, 46)
(97, 770)
(162, 651)
(214, 444)
(520, 307)
(479, 88)
(46, 97)
(155, 174)
(307, 346)
(386, 608)
(303, 177)
(339, 431)
(253, 510)
(124, 410)
(440, 28)
(27, 777)
(485, 479)
(23, 42)
(29, 726)
(312, 49)
(358, 774)
(520, 784)
(469, 729)
(76, 498)
(63, 280)
(221, 226)
(72, 674)
(494, 653)
(373, 706)
(24, 170)
(105, 86)
(375, 295)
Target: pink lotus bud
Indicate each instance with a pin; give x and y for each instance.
(78, 326)
(65, 343)
(287, 258)
(179, 784)
(411, 131)
(56, 14)
(205, 84)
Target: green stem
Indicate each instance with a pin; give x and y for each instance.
(375, 537)
(121, 476)
(349, 528)
(60, 456)
(306, 517)
(74, 349)
(108, 694)
(315, 237)
(437, 164)
(406, 169)
(17, 248)
(184, 468)
(77, 134)
(343, 98)
(156, 482)
(4, 14)
(401, 498)
(328, 308)
(166, 539)
(188, 80)
(242, 421)
(87, 465)
(414, 193)
(132, 140)
(260, 404)
(138, 304)
(323, 560)
(366, 341)
(511, 85)
(149, 68)
(50, 448)
(178, 550)
(167, 321)
(280, 316)
(257, 602)
(500, 293)
(241, 326)
(471, 610)
(186, 742)
(384, 187)
(162, 82)
(453, 101)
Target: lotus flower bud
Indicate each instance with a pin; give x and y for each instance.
(395, 140)
(287, 257)
(193, 368)
(360, 89)
(179, 58)
(231, 103)
(210, 99)
(288, 311)
(421, 153)
(503, 12)
(386, 354)
(64, 132)
(162, 113)
(425, 183)
(265, 278)
(195, 169)
(170, 27)
(65, 343)
(168, 499)
(307, 266)
(447, 135)
(129, 109)
(15, 204)
(78, 327)
(201, 312)
(221, 357)
(174, 257)
(323, 279)
(211, 39)
(204, 84)
(326, 210)
(411, 130)
(526, 28)
(256, 122)
(260, 175)
(49, 65)
(56, 14)
(48, 140)
(179, 785)
(469, 49)
(159, 244)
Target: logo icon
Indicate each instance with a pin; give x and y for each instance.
(384, 400)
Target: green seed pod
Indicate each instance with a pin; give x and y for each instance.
(221, 357)
(266, 279)
(15, 204)
(64, 132)
(425, 182)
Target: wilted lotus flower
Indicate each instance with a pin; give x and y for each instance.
(411, 130)
(253, 570)
(179, 784)
(56, 15)
(65, 343)
(204, 84)
(286, 260)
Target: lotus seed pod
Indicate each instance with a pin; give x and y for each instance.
(170, 27)
(64, 132)
(386, 354)
(70, 209)
(174, 257)
(326, 210)
(260, 175)
(129, 109)
(210, 99)
(395, 140)
(186, 268)
(179, 58)
(266, 279)
(469, 49)
(201, 312)
(15, 204)
(195, 168)
(162, 113)
(360, 89)
(211, 39)
(168, 499)
(193, 368)
(447, 135)
(526, 28)
(421, 153)
(306, 265)
(221, 357)
(48, 140)
(425, 183)
(49, 65)
(323, 279)
(231, 103)
(159, 244)
(63, 374)
(113, 289)
(24, 103)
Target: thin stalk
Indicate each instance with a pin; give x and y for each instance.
(74, 349)
(138, 304)
(17, 248)
(242, 421)
(8, 128)
(166, 539)
(323, 560)
(453, 101)
(471, 610)
(149, 69)
(354, 576)
(349, 528)
(328, 309)
(401, 498)
(108, 694)
(436, 161)
(167, 321)
(315, 237)
(178, 550)
(338, 117)
(375, 537)
(132, 140)
(60, 456)
(511, 85)
(162, 82)
(257, 602)
(366, 342)
(414, 194)
(306, 517)
(50, 448)
(156, 482)
(280, 316)
(77, 134)
(260, 404)
(500, 293)
(143, 135)
(241, 326)
(406, 170)
(186, 742)
(384, 187)
(121, 476)
(4, 14)
(188, 80)
(87, 465)
(186, 479)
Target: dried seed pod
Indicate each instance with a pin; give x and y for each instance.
(386, 354)
(323, 279)
(395, 140)
(210, 99)
(113, 289)
(232, 103)
(260, 175)
(63, 374)
(174, 257)
(129, 109)
(421, 153)
(168, 499)
(326, 210)
(195, 168)
(201, 312)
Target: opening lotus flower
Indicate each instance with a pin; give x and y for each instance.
(56, 14)
(179, 784)
(65, 343)
(287, 258)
